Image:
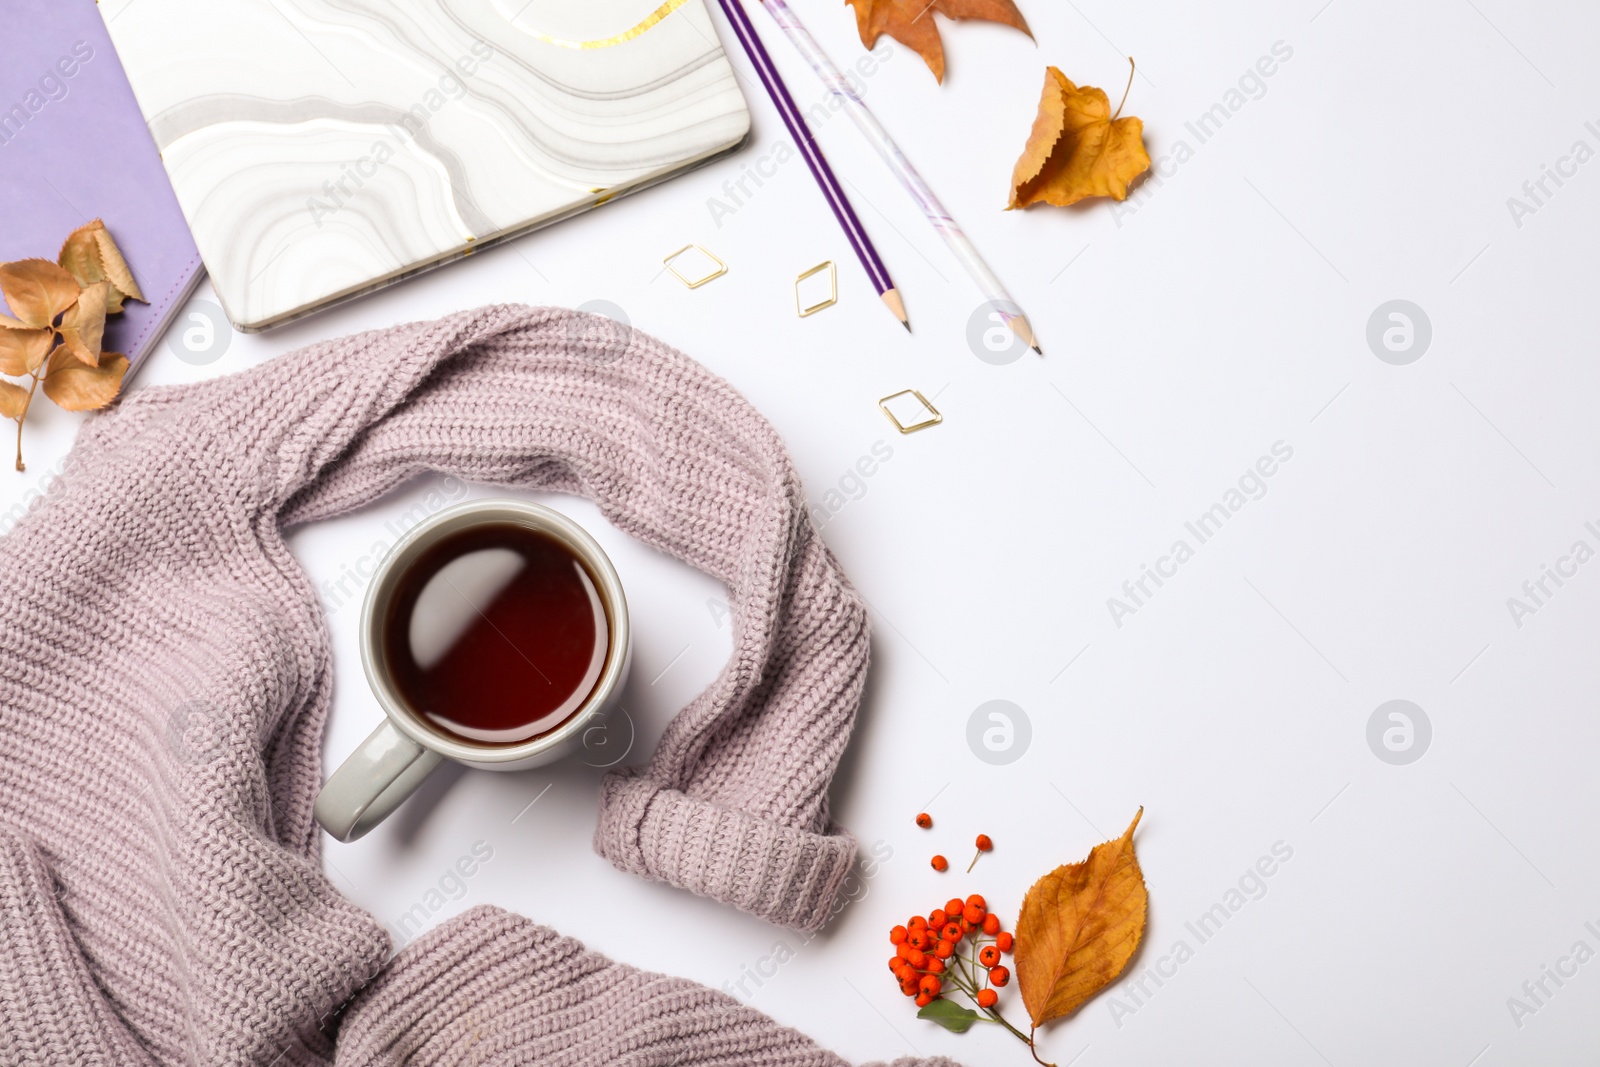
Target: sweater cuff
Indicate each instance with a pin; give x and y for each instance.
(784, 875)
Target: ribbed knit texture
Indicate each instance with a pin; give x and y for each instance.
(165, 675)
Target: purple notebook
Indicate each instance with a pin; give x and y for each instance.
(74, 147)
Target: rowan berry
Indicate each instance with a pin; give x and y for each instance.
(945, 949)
(984, 844)
(1004, 941)
(930, 985)
(916, 922)
(897, 936)
(920, 938)
(951, 932)
(987, 998)
(977, 901)
(953, 907)
(991, 924)
(925, 821)
(941, 864)
(896, 964)
(935, 965)
(974, 914)
(937, 918)
(918, 959)
(923, 1000)
(999, 975)
(988, 955)
(904, 950)
(909, 986)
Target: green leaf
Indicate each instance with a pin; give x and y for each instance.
(950, 1015)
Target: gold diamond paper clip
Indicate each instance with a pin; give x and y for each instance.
(932, 418)
(721, 267)
(833, 289)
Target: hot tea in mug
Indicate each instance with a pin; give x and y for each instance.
(493, 634)
(496, 634)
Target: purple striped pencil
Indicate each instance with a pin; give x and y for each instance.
(854, 232)
(847, 95)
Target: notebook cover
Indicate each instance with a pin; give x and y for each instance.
(322, 148)
(74, 147)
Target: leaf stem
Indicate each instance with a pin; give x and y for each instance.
(34, 384)
(1035, 1048)
(1124, 100)
(1001, 1019)
(966, 979)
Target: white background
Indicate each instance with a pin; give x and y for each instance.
(1225, 312)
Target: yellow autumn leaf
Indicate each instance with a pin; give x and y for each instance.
(76, 387)
(37, 291)
(1078, 148)
(911, 23)
(83, 327)
(1079, 926)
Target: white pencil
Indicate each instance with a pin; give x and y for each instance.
(868, 124)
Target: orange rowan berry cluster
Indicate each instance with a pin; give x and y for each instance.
(929, 957)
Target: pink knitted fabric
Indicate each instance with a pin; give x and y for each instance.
(165, 673)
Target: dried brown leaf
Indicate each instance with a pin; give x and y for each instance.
(80, 255)
(13, 400)
(76, 387)
(37, 291)
(83, 327)
(92, 256)
(118, 273)
(911, 23)
(21, 351)
(1078, 148)
(1078, 927)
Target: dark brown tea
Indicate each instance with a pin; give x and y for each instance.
(496, 634)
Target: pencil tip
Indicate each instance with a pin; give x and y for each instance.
(897, 307)
(1039, 350)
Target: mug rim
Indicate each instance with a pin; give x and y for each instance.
(464, 516)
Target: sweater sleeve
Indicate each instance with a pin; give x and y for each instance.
(734, 803)
(53, 1013)
(494, 988)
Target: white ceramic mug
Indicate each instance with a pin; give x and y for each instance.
(400, 753)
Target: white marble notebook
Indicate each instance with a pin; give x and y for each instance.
(323, 148)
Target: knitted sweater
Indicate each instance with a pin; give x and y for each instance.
(165, 674)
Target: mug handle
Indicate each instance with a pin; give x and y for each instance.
(372, 782)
